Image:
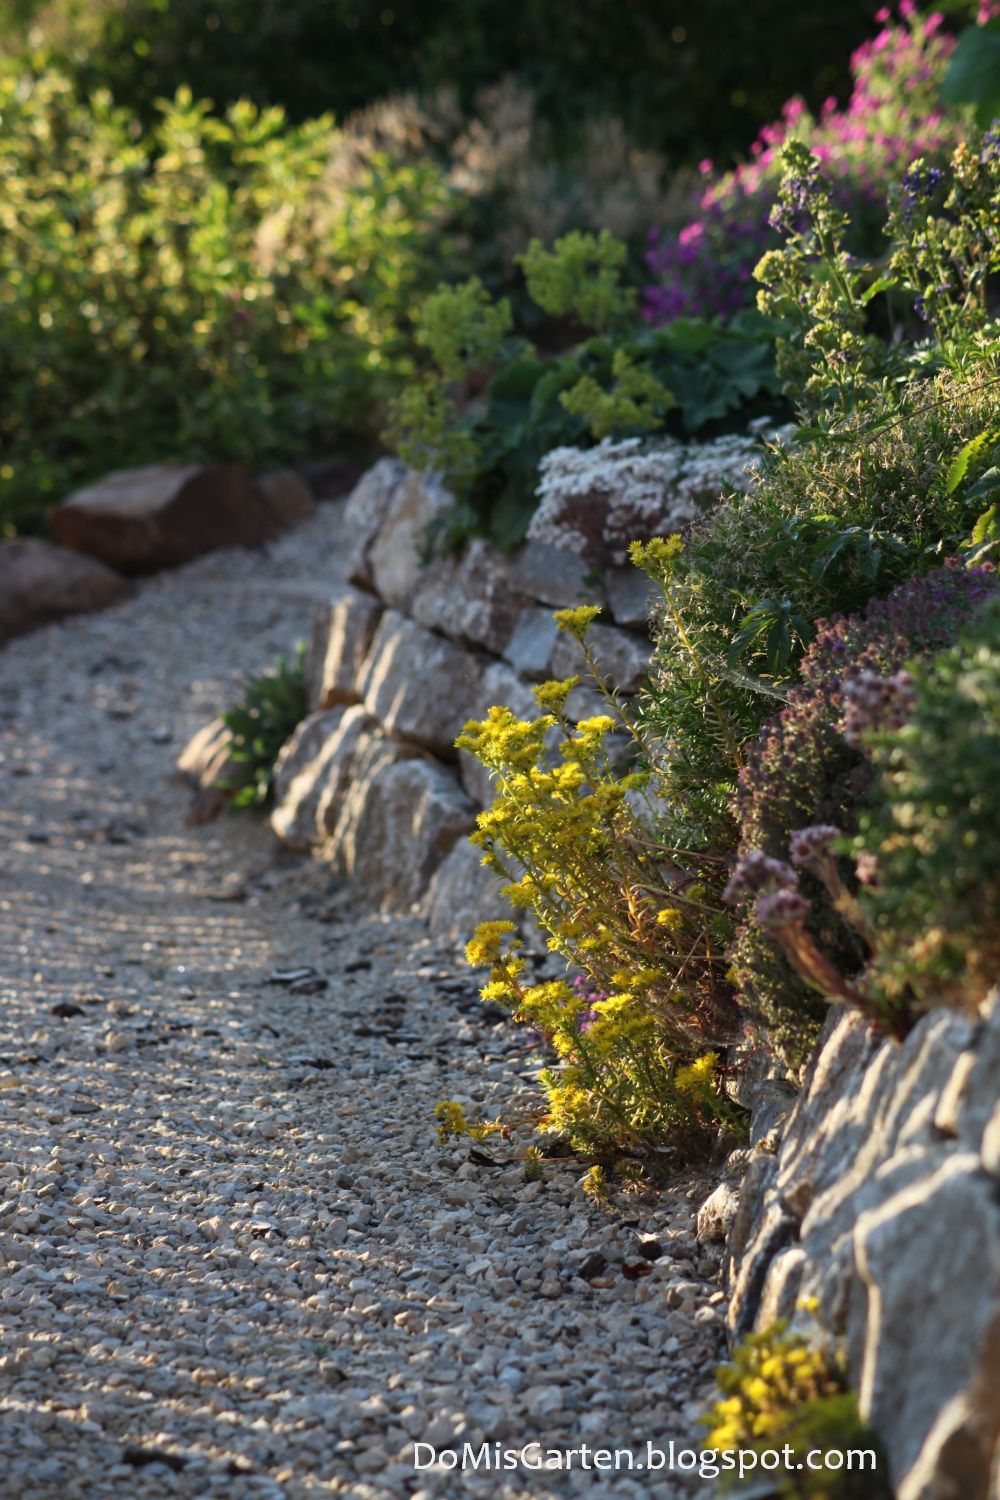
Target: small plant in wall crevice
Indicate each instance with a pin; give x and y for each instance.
(271, 708)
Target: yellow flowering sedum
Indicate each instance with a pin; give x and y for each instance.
(781, 1389)
(484, 948)
(577, 621)
(565, 831)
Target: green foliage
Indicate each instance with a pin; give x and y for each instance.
(944, 232)
(676, 75)
(835, 522)
(892, 479)
(493, 407)
(802, 772)
(580, 278)
(271, 709)
(815, 286)
(636, 402)
(463, 327)
(973, 75)
(945, 239)
(933, 836)
(781, 1390)
(193, 292)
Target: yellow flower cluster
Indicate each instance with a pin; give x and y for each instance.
(484, 948)
(698, 1078)
(551, 696)
(657, 557)
(781, 1389)
(565, 835)
(577, 621)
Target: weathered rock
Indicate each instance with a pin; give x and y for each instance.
(469, 597)
(758, 1181)
(632, 597)
(399, 552)
(298, 774)
(463, 893)
(779, 1297)
(287, 496)
(398, 822)
(822, 1123)
(531, 647)
(206, 761)
(40, 582)
(553, 576)
(774, 1229)
(366, 509)
(880, 1207)
(991, 1142)
(773, 1103)
(314, 771)
(930, 1384)
(203, 753)
(341, 631)
(717, 1214)
(538, 649)
(140, 520)
(971, 1093)
(419, 685)
(620, 656)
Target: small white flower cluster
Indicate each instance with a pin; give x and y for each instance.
(594, 501)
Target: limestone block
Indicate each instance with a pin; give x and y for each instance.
(341, 631)
(419, 685)
(469, 597)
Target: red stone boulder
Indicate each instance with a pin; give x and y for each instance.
(40, 582)
(141, 520)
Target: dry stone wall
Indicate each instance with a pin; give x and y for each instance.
(878, 1195)
(397, 661)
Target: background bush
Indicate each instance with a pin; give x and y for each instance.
(893, 115)
(195, 291)
(933, 836)
(801, 771)
(686, 80)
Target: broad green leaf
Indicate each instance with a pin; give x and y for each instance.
(973, 75)
(967, 455)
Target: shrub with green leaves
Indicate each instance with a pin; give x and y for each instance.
(801, 772)
(894, 472)
(930, 845)
(193, 291)
(887, 479)
(271, 708)
(493, 404)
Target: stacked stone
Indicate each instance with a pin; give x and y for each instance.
(398, 660)
(877, 1203)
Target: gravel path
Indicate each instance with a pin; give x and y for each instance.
(234, 1259)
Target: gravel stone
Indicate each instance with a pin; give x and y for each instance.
(235, 1260)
